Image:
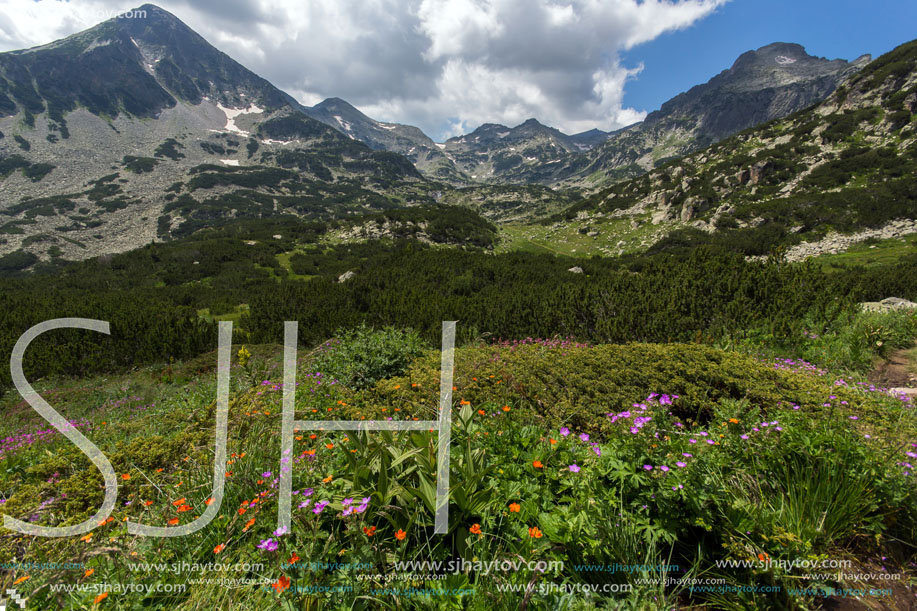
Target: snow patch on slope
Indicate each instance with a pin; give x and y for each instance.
(232, 113)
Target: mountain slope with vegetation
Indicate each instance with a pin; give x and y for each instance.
(138, 130)
(844, 165)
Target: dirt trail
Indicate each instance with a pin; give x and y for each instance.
(898, 372)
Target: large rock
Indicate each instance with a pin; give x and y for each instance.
(889, 304)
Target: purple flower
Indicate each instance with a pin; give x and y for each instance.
(564, 431)
(574, 468)
(281, 531)
(743, 436)
(304, 504)
(584, 437)
(692, 441)
(648, 467)
(597, 451)
(268, 545)
(266, 474)
(346, 502)
(663, 468)
(686, 455)
(681, 464)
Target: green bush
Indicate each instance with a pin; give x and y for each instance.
(360, 357)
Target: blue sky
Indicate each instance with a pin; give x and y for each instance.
(676, 61)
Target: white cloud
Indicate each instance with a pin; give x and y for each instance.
(444, 65)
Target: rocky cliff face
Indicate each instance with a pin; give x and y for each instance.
(406, 140)
(138, 130)
(769, 83)
(813, 182)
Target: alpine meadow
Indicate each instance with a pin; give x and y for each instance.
(684, 366)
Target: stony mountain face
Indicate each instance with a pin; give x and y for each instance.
(771, 82)
(406, 140)
(495, 153)
(843, 167)
(137, 130)
(137, 66)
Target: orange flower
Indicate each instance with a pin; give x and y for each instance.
(370, 531)
(475, 529)
(733, 420)
(481, 411)
(299, 438)
(180, 501)
(249, 524)
(159, 470)
(100, 598)
(219, 548)
(310, 452)
(328, 479)
(313, 436)
(294, 558)
(147, 503)
(125, 476)
(242, 510)
(184, 508)
(86, 538)
(463, 402)
(208, 501)
(506, 408)
(228, 473)
(400, 535)
(553, 441)
(281, 584)
(173, 521)
(535, 533)
(537, 464)
(515, 507)
(397, 386)
(329, 445)
(88, 572)
(21, 579)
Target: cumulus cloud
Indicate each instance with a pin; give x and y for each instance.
(444, 65)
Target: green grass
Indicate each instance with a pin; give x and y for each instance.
(233, 316)
(869, 254)
(567, 239)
